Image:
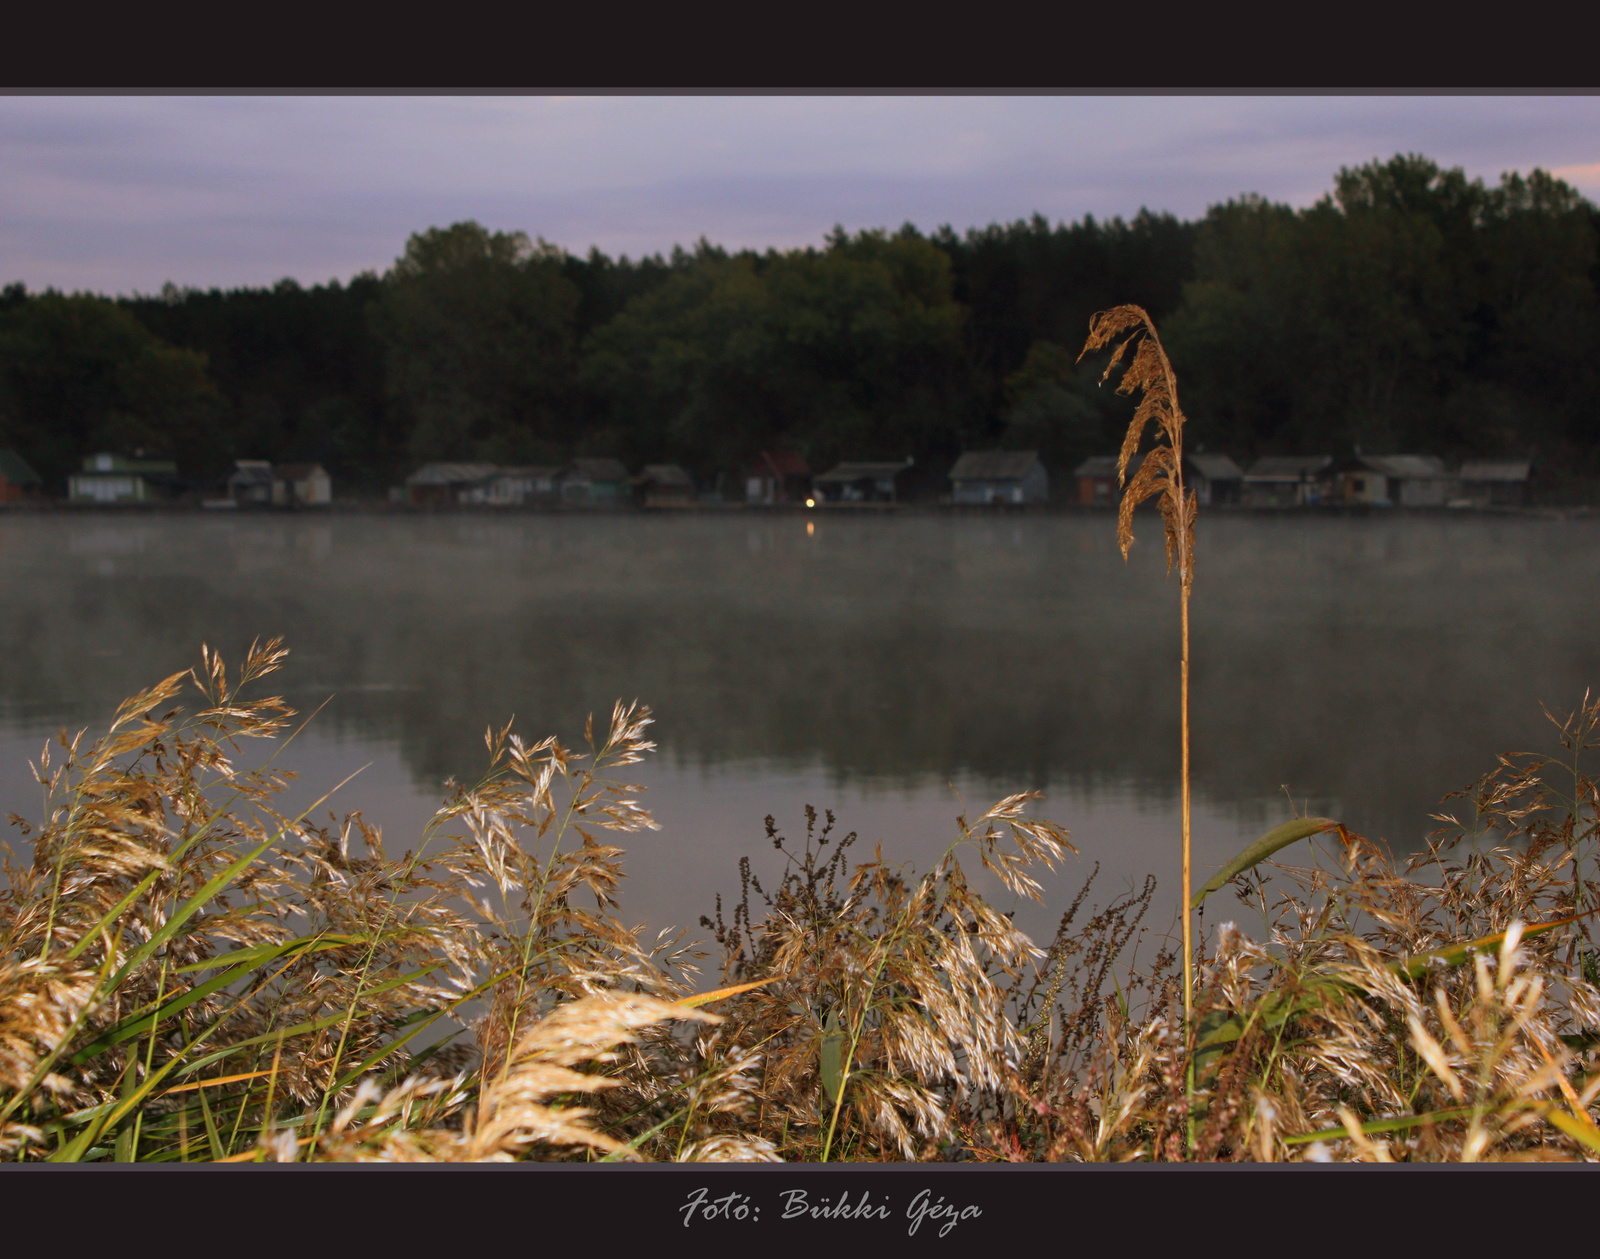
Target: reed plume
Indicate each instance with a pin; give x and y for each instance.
(1159, 476)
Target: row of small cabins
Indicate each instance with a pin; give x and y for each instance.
(111, 480)
(774, 477)
(1312, 480)
(987, 478)
(979, 478)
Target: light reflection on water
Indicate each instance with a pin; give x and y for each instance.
(893, 669)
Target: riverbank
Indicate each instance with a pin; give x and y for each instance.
(190, 975)
(379, 507)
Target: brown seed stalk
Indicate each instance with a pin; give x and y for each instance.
(1159, 476)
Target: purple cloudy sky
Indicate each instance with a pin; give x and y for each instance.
(119, 194)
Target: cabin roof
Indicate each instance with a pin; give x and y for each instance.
(779, 463)
(15, 470)
(1496, 469)
(1419, 467)
(1216, 467)
(1287, 467)
(1097, 466)
(1106, 466)
(863, 471)
(664, 474)
(529, 472)
(251, 472)
(140, 462)
(451, 473)
(994, 465)
(599, 469)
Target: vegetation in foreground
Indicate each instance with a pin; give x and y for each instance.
(188, 974)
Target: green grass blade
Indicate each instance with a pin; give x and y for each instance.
(112, 915)
(616, 1156)
(1278, 837)
(252, 960)
(117, 910)
(73, 1119)
(1397, 1123)
(105, 1117)
(423, 1019)
(267, 952)
(191, 907)
(210, 891)
(1418, 965)
(213, 1138)
(301, 1029)
(1219, 1029)
(136, 1096)
(832, 1057)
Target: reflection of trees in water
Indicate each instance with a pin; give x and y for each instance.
(1375, 662)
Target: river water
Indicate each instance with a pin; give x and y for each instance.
(894, 669)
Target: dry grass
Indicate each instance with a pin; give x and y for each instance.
(187, 974)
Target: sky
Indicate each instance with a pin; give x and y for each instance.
(122, 194)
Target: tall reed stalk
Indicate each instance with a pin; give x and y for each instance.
(1158, 476)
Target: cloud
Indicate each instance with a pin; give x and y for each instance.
(1583, 176)
(122, 193)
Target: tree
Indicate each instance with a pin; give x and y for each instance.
(1028, 281)
(1536, 343)
(477, 328)
(849, 351)
(299, 372)
(1410, 309)
(78, 374)
(1050, 409)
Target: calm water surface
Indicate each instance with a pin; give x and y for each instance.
(894, 670)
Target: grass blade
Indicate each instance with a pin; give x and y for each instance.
(129, 1028)
(1396, 1123)
(267, 952)
(1418, 965)
(1277, 838)
(706, 998)
(1584, 1133)
(306, 1028)
(831, 1062)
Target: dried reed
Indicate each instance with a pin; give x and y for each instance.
(1159, 476)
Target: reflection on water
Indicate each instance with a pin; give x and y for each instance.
(876, 666)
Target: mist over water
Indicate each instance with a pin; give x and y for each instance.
(887, 668)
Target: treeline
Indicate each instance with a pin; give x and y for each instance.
(1410, 309)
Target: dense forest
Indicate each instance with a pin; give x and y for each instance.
(1410, 309)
